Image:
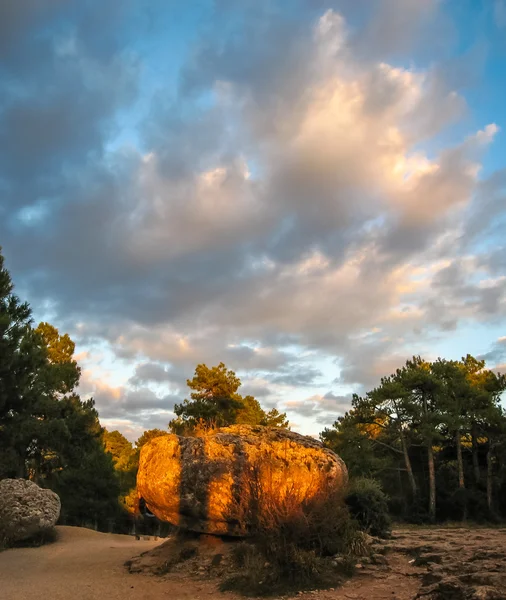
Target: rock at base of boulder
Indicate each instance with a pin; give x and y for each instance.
(26, 510)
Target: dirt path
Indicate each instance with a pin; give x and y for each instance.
(83, 565)
(86, 565)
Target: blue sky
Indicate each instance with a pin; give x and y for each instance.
(311, 191)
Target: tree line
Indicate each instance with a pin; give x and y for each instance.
(434, 434)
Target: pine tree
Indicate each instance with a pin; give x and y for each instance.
(216, 402)
(23, 387)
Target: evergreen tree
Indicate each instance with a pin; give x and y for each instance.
(422, 388)
(389, 407)
(215, 402)
(356, 445)
(274, 418)
(121, 450)
(47, 432)
(23, 381)
(149, 435)
(85, 479)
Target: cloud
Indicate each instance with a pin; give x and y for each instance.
(61, 83)
(323, 408)
(497, 354)
(275, 210)
(297, 375)
(140, 405)
(151, 373)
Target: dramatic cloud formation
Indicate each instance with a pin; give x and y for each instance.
(296, 189)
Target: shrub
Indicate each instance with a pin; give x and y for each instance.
(368, 505)
(292, 539)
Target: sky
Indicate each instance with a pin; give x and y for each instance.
(310, 191)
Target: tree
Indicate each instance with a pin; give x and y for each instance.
(274, 418)
(85, 478)
(64, 370)
(126, 463)
(388, 406)
(121, 450)
(149, 435)
(468, 397)
(355, 444)
(22, 361)
(215, 402)
(487, 419)
(455, 404)
(250, 412)
(47, 432)
(440, 417)
(417, 378)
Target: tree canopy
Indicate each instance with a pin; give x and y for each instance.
(216, 402)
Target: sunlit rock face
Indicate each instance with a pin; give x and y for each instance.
(206, 484)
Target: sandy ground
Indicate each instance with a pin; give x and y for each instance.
(435, 564)
(82, 565)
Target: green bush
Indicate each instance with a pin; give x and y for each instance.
(368, 505)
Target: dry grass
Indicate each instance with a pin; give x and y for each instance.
(292, 540)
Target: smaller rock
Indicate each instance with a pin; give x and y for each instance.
(26, 509)
(338, 561)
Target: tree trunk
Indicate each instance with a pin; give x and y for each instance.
(489, 479)
(460, 463)
(409, 468)
(432, 484)
(432, 470)
(476, 462)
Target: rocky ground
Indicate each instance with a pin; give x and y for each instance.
(455, 564)
(432, 564)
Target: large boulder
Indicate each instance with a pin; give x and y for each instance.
(26, 509)
(206, 484)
